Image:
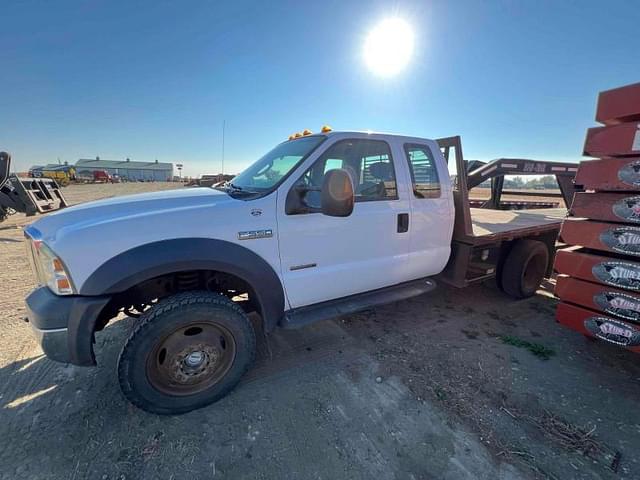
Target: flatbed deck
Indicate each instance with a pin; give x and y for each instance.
(499, 223)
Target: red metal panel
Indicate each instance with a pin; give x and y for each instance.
(602, 327)
(623, 274)
(609, 207)
(613, 141)
(619, 105)
(602, 298)
(609, 174)
(607, 237)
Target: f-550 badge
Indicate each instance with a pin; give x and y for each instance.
(255, 234)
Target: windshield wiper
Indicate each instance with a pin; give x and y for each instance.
(231, 188)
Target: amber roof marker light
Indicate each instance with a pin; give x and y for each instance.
(326, 129)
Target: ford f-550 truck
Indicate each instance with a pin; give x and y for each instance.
(322, 225)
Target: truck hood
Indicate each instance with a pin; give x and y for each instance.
(139, 207)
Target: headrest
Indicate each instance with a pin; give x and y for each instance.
(381, 170)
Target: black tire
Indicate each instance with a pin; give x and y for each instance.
(524, 268)
(178, 386)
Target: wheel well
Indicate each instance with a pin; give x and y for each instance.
(139, 297)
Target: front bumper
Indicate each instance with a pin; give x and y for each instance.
(64, 325)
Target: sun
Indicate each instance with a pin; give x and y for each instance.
(389, 47)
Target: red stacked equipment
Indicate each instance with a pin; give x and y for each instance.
(599, 280)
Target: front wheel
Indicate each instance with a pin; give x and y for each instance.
(189, 350)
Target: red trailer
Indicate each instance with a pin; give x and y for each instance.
(609, 174)
(602, 298)
(603, 327)
(613, 141)
(618, 272)
(619, 105)
(607, 207)
(607, 237)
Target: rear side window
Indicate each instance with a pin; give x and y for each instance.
(424, 174)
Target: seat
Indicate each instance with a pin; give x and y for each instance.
(381, 171)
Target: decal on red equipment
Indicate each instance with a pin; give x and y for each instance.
(628, 209)
(618, 304)
(612, 331)
(630, 174)
(619, 274)
(622, 239)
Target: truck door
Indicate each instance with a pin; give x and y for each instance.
(325, 258)
(432, 211)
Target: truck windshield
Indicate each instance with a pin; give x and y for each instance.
(271, 169)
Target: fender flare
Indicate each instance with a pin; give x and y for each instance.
(150, 260)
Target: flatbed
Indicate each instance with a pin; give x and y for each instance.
(484, 237)
(493, 224)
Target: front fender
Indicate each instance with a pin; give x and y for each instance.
(145, 262)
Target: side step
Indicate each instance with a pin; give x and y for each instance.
(300, 317)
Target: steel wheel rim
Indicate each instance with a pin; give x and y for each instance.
(191, 359)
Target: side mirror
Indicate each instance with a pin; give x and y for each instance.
(337, 197)
(5, 162)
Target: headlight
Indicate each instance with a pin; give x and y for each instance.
(48, 268)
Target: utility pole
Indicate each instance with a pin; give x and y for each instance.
(223, 125)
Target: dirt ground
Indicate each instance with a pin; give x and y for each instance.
(438, 387)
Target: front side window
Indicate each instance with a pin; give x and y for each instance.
(424, 174)
(368, 162)
(275, 166)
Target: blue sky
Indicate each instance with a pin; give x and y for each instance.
(155, 80)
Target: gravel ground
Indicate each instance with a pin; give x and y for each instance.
(435, 387)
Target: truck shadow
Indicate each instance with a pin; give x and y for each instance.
(64, 419)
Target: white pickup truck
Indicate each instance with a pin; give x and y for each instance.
(322, 225)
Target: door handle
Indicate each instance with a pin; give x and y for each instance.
(403, 222)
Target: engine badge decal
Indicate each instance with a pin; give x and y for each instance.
(630, 174)
(613, 331)
(628, 209)
(622, 239)
(618, 274)
(619, 304)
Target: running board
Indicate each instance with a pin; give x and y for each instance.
(300, 317)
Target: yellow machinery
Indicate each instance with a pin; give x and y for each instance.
(63, 175)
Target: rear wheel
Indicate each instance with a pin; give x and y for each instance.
(524, 268)
(188, 351)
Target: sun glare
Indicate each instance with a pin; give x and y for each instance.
(389, 47)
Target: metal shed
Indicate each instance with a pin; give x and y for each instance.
(127, 169)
